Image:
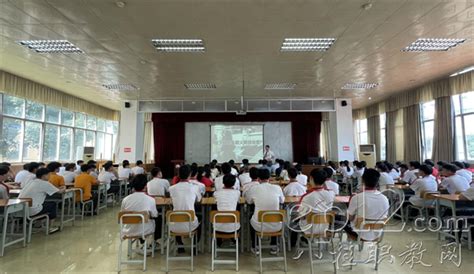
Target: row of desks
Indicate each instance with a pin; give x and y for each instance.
(8, 207)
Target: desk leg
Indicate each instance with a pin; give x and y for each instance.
(456, 232)
(4, 231)
(73, 204)
(63, 201)
(25, 233)
(163, 220)
(438, 215)
(203, 228)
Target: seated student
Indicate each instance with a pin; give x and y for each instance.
(138, 168)
(214, 171)
(275, 166)
(54, 178)
(184, 195)
(317, 200)
(204, 176)
(93, 173)
(294, 188)
(193, 179)
(157, 186)
(260, 164)
(332, 165)
(244, 178)
(234, 170)
(358, 172)
(253, 173)
(245, 162)
(226, 169)
(452, 182)
(403, 168)
(385, 180)
(37, 189)
(346, 171)
(4, 189)
(393, 172)
(302, 179)
(265, 196)
(79, 163)
(431, 164)
(140, 201)
(125, 171)
(69, 174)
(370, 204)
(22, 174)
(466, 174)
(32, 168)
(412, 173)
(426, 183)
(227, 199)
(284, 171)
(85, 181)
(468, 167)
(329, 183)
(107, 177)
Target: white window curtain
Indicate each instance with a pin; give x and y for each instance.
(148, 140)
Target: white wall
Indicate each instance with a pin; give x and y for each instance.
(198, 140)
(131, 133)
(341, 132)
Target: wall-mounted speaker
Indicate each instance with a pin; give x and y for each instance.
(343, 103)
(127, 104)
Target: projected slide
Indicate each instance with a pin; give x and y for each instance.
(236, 142)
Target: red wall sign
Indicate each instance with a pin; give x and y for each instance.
(127, 149)
(346, 148)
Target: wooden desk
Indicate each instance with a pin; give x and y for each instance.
(399, 186)
(8, 207)
(14, 192)
(446, 200)
(67, 197)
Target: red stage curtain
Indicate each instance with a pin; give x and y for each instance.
(169, 132)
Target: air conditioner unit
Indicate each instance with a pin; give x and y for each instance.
(367, 153)
(88, 154)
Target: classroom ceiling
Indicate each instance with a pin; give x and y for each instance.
(242, 40)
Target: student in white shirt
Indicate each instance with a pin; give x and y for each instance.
(107, 177)
(233, 170)
(412, 174)
(79, 163)
(329, 183)
(346, 171)
(369, 204)
(466, 174)
(426, 183)
(244, 178)
(138, 168)
(69, 174)
(253, 172)
(4, 190)
(452, 182)
(184, 195)
(32, 169)
(227, 200)
(385, 180)
(193, 179)
(275, 166)
(393, 172)
(125, 171)
(268, 154)
(140, 201)
(284, 171)
(294, 188)
(20, 176)
(302, 179)
(214, 170)
(358, 172)
(37, 190)
(157, 186)
(318, 200)
(218, 182)
(265, 196)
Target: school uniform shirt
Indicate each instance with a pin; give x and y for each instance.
(358, 175)
(234, 172)
(125, 172)
(347, 172)
(137, 170)
(219, 183)
(139, 201)
(214, 173)
(84, 181)
(317, 201)
(244, 178)
(227, 200)
(294, 189)
(78, 169)
(469, 194)
(27, 179)
(302, 179)
(266, 196)
(332, 186)
(207, 181)
(394, 174)
(455, 183)
(61, 170)
(284, 175)
(268, 155)
(56, 180)
(410, 176)
(246, 189)
(184, 195)
(466, 174)
(158, 187)
(385, 180)
(21, 175)
(107, 177)
(371, 205)
(425, 184)
(3, 191)
(199, 185)
(37, 190)
(69, 177)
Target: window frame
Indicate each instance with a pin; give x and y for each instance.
(462, 115)
(423, 122)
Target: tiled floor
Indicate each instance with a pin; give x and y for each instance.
(91, 247)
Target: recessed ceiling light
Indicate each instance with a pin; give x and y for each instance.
(307, 44)
(433, 44)
(360, 85)
(200, 86)
(179, 45)
(367, 6)
(277, 86)
(370, 98)
(50, 46)
(120, 87)
(465, 70)
(120, 4)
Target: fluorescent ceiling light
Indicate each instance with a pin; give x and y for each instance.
(50, 46)
(360, 85)
(120, 87)
(179, 45)
(200, 86)
(433, 44)
(307, 44)
(280, 86)
(465, 70)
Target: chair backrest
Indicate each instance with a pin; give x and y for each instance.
(133, 217)
(320, 218)
(222, 217)
(271, 216)
(368, 224)
(81, 193)
(29, 201)
(427, 195)
(180, 216)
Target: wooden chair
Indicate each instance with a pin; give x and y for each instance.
(271, 216)
(422, 210)
(83, 204)
(134, 218)
(181, 216)
(368, 225)
(225, 217)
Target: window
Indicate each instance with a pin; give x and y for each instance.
(383, 136)
(101, 125)
(427, 128)
(67, 118)
(79, 140)
(32, 142)
(99, 148)
(91, 122)
(90, 139)
(464, 127)
(13, 106)
(80, 120)
(12, 131)
(65, 144)
(34, 111)
(52, 115)
(362, 134)
(51, 135)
